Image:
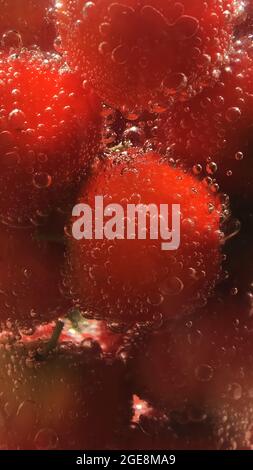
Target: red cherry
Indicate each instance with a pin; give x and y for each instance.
(70, 397)
(213, 131)
(136, 52)
(126, 280)
(49, 131)
(31, 290)
(26, 25)
(200, 370)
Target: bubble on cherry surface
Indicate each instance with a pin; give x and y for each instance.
(42, 180)
(17, 119)
(134, 135)
(204, 372)
(11, 40)
(46, 439)
(88, 9)
(174, 83)
(172, 286)
(163, 45)
(155, 299)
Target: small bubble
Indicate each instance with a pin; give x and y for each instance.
(172, 286)
(233, 114)
(120, 55)
(12, 39)
(197, 169)
(239, 156)
(211, 168)
(46, 439)
(234, 291)
(42, 180)
(88, 9)
(174, 83)
(204, 373)
(155, 299)
(135, 135)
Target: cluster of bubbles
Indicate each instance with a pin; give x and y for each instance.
(141, 130)
(158, 51)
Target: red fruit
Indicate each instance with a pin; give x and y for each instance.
(200, 370)
(69, 398)
(49, 132)
(128, 279)
(214, 129)
(136, 52)
(27, 24)
(30, 278)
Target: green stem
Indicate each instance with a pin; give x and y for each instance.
(53, 341)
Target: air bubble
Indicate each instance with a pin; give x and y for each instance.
(46, 439)
(239, 156)
(174, 83)
(134, 135)
(42, 180)
(155, 299)
(204, 373)
(211, 168)
(235, 391)
(172, 286)
(88, 9)
(12, 39)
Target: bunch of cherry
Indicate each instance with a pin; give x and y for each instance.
(115, 343)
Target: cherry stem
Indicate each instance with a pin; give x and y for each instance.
(74, 317)
(53, 341)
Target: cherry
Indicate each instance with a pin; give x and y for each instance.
(132, 279)
(212, 133)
